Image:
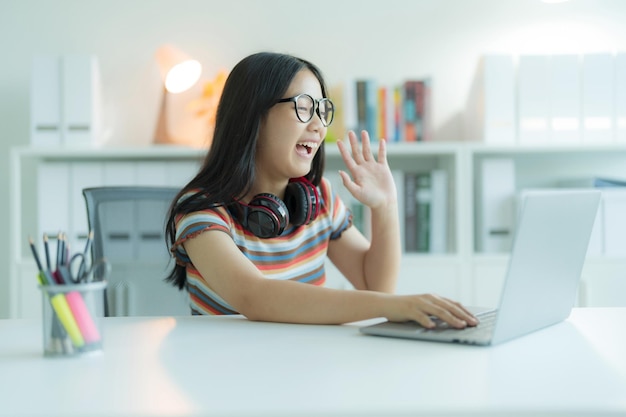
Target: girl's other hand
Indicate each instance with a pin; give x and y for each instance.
(370, 180)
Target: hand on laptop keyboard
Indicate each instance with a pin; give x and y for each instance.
(421, 308)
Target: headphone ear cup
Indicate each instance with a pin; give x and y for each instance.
(266, 216)
(301, 202)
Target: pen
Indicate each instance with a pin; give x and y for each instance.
(66, 249)
(58, 260)
(47, 250)
(63, 248)
(33, 249)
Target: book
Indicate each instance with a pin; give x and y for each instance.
(438, 237)
(367, 106)
(397, 115)
(423, 204)
(417, 110)
(417, 203)
(409, 105)
(410, 215)
(361, 105)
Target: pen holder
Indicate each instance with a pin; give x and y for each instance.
(72, 318)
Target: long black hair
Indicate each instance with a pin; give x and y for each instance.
(254, 85)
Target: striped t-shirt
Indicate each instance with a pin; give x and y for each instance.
(298, 254)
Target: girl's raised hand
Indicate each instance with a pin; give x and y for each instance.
(370, 180)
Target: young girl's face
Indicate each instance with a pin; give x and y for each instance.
(286, 146)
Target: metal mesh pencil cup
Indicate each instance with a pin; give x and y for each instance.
(72, 318)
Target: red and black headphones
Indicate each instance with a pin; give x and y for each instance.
(266, 215)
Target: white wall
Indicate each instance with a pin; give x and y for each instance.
(389, 40)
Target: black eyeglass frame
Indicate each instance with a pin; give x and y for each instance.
(316, 107)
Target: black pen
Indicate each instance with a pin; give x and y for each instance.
(58, 260)
(35, 254)
(47, 251)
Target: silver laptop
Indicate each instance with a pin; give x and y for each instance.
(540, 288)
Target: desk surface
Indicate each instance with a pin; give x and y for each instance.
(229, 366)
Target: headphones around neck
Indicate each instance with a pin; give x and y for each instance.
(266, 215)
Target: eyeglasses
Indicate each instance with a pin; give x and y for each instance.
(306, 107)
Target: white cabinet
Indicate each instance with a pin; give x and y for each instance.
(46, 196)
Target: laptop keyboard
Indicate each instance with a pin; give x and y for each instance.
(482, 330)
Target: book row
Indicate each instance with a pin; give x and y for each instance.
(398, 113)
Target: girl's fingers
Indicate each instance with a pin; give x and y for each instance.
(446, 310)
(345, 154)
(356, 151)
(365, 143)
(382, 151)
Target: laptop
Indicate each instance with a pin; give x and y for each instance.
(541, 284)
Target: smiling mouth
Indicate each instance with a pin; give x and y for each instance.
(308, 147)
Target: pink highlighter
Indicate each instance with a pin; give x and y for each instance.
(79, 310)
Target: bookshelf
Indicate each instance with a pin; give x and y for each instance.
(461, 272)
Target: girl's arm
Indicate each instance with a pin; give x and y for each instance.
(370, 265)
(230, 274)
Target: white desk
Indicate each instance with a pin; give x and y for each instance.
(228, 366)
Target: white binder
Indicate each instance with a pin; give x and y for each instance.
(45, 101)
(81, 100)
(533, 99)
(598, 98)
(565, 104)
(499, 99)
(496, 213)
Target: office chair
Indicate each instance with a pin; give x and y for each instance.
(128, 230)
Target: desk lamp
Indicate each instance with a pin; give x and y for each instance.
(179, 73)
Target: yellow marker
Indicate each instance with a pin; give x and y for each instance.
(63, 312)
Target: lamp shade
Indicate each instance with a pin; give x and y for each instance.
(178, 70)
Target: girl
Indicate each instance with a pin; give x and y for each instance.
(251, 232)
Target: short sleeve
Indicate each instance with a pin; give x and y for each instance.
(192, 224)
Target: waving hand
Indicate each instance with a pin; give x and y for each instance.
(370, 180)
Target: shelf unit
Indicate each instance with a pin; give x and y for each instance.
(35, 198)
(461, 273)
